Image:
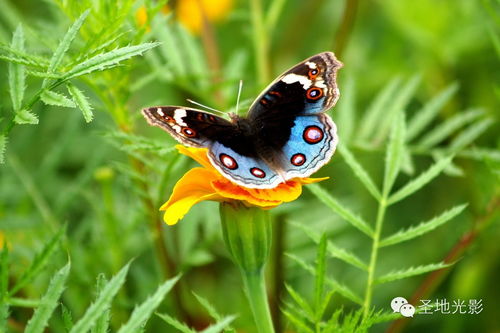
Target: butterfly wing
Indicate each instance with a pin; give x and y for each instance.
(190, 127)
(312, 143)
(230, 150)
(290, 116)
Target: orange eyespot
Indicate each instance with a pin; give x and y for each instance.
(314, 93)
(189, 132)
(313, 73)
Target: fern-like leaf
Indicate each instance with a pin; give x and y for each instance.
(142, 313)
(48, 302)
(409, 272)
(422, 228)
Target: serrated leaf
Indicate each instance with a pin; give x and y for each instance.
(25, 117)
(17, 73)
(346, 214)
(335, 251)
(447, 128)
(470, 134)
(81, 101)
(429, 112)
(207, 306)
(301, 302)
(220, 325)
(337, 286)
(65, 43)
(175, 323)
(297, 322)
(66, 318)
(142, 313)
(52, 98)
(397, 106)
(102, 302)
(422, 228)
(39, 263)
(21, 57)
(394, 153)
(107, 60)
(417, 183)
(374, 113)
(409, 272)
(49, 301)
(102, 323)
(359, 171)
(3, 148)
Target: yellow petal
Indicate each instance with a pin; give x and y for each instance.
(193, 187)
(197, 154)
(230, 190)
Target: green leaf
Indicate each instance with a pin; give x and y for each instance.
(294, 320)
(17, 73)
(207, 306)
(429, 112)
(301, 302)
(25, 117)
(49, 301)
(409, 272)
(102, 324)
(359, 171)
(470, 134)
(394, 153)
(423, 227)
(337, 286)
(65, 43)
(220, 325)
(376, 110)
(102, 302)
(81, 101)
(107, 60)
(335, 251)
(175, 323)
(52, 98)
(3, 148)
(446, 128)
(66, 318)
(39, 263)
(417, 183)
(22, 58)
(337, 207)
(397, 106)
(320, 275)
(142, 313)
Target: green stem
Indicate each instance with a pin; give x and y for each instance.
(261, 43)
(255, 289)
(373, 258)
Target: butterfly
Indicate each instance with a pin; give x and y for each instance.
(286, 133)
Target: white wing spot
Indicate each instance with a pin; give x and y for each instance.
(292, 78)
(160, 112)
(178, 115)
(310, 64)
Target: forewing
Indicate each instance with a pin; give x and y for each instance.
(190, 127)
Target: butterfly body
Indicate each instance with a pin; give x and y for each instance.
(286, 133)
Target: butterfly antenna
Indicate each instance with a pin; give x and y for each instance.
(238, 98)
(206, 107)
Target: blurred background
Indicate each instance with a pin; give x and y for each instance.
(104, 180)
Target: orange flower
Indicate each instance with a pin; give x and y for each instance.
(206, 183)
(192, 12)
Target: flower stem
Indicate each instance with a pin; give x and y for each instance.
(373, 258)
(247, 233)
(255, 290)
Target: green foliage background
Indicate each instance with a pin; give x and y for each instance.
(84, 242)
